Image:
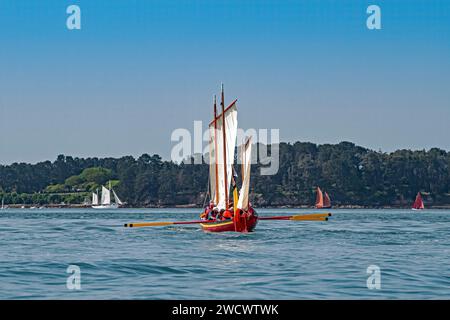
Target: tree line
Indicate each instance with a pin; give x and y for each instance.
(351, 174)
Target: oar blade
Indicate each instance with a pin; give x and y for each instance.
(147, 224)
(163, 223)
(311, 217)
(303, 217)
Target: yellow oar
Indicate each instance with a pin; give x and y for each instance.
(309, 218)
(162, 223)
(147, 224)
(312, 216)
(301, 217)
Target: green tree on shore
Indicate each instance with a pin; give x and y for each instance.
(352, 175)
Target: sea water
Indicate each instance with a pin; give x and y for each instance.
(280, 260)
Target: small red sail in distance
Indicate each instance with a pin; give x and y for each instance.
(418, 204)
(326, 201)
(319, 198)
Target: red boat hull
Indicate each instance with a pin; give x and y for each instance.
(228, 225)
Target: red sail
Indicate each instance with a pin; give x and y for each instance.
(418, 204)
(326, 201)
(319, 199)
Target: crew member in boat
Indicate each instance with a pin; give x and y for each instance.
(214, 213)
(228, 214)
(250, 211)
(208, 210)
(225, 214)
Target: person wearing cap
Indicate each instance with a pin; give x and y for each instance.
(220, 215)
(206, 214)
(214, 213)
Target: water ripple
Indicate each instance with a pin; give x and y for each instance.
(281, 260)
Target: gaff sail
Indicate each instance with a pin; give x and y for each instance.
(418, 203)
(222, 154)
(246, 158)
(319, 198)
(106, 196)
(94, 199)
(326, 201)
(116, 198)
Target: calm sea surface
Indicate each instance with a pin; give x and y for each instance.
(280, 260)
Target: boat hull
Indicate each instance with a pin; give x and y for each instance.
(104, 207)
(228, 225)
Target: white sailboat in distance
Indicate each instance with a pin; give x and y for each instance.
(105, 201)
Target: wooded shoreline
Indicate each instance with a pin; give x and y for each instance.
(194, 206)
(353, 176)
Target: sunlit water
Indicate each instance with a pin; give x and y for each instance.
(280, 260)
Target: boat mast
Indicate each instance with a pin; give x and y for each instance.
(224, 149)
(215, 151)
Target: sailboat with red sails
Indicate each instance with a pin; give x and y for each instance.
(323, 200)
(418, 203)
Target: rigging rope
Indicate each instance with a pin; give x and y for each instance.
(207, 192)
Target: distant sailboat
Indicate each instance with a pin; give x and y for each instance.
(418, 203)
(106, 202)
(322, 200)
(3, 204)
(95, 198)
(326, 201)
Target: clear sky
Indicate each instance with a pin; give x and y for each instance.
(139, 69)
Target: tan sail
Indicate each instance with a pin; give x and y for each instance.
(222, 154)
(106, 196)
(246, 158)
(94, 199)
(116, 198)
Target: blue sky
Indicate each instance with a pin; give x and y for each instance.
(137, 70)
